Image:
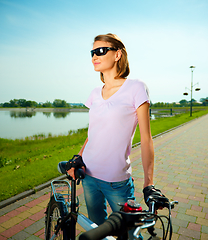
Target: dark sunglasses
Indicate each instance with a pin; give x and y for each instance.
(102, 51)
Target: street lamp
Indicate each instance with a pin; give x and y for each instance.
(192, 70)
(197, 89)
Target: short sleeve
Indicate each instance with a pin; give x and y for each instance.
(141, 94)
(89, 101)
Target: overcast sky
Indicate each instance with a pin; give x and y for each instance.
(45, 46)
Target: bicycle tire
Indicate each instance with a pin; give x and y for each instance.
(56, 211)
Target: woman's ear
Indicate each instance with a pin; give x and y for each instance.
(118, 55)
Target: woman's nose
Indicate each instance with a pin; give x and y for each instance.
(94, 57)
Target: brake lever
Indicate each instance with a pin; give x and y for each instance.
(152, 207)
(172, 204)
(139, 229)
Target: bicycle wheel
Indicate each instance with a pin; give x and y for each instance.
(54, 213)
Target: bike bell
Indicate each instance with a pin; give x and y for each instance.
(132, 206)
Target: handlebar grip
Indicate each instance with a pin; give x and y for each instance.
(79, 173)
(62, 167)
(114, 225)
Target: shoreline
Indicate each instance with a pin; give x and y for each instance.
(45, 109)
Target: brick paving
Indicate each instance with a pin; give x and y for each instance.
(181, 172)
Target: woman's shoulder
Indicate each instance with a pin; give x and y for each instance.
(136, 84)
(139, 91)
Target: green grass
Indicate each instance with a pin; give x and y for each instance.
(25, 164)
(163, 124)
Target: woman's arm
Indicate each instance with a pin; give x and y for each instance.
(83, 147)
(147, 149)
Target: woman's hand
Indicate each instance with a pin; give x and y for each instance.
(73, 164)
(71, 172)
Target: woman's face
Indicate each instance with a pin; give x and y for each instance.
(105, 62)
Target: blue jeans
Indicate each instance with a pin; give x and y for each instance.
(96, 192)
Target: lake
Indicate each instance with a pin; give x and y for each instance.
(20, 124)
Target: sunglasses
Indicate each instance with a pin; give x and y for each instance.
(102, 51)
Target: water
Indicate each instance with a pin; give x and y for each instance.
(162, 113)
(21, 124)
(17, 125)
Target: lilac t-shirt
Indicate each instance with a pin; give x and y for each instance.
(112, 124)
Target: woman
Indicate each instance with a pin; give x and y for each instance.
(115, 110)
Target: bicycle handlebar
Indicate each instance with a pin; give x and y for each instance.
(112, 226)
(118, 223)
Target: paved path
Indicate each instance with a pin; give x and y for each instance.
(181, 171)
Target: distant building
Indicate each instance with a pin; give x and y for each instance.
(77, 105)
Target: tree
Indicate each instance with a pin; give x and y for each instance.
(204, 101)
(193, 100)
(158, 104)
(14, 103)
(183, 102)
(31, 104)
(60, 103)
(22, 102)
(6, 104)
(47, 104)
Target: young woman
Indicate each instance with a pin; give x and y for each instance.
(114, 111)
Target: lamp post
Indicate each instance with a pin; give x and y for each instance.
(192, 70)
(197, 89)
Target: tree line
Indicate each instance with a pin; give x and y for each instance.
(23, 103)
(58, 103)
(182, 103)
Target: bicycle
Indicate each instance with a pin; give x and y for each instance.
(62, 215)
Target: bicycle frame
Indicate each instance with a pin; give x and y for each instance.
(77, 217)
(69, 227)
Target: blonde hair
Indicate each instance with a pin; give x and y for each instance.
(123, 69)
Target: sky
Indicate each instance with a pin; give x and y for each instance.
(45, 47)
